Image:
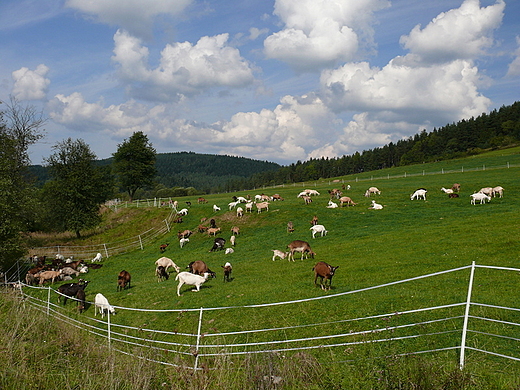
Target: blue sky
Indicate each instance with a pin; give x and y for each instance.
(281, 80)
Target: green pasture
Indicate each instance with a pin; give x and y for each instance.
(371, 247)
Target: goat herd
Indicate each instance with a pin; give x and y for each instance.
(198, 272)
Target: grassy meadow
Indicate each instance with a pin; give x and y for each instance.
(405, 239)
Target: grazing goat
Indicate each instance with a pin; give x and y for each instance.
(347, 200)
(202, 200)
(300, 246)
(372, 190)
(229, 251)
(199, 267)
(447, 190)
(240, 212)
(276, 197)
(80, 296)
(183, 241)
(290, 227)
(216, 208)
(161, 273)
(123, 280)
(97, 258)
(213, 231)
(184, 234)
(190, 279)
(318, 229)
(280, 254)
(69, 271)
(49, 275)
(487, 190)
(312, 192)
(241, 199)
(212, 223)
(262, 205)
(314, 220)
(335, 193)
(227, 271)
(455, 187)
(232, 205)
(376, 206)
(101, 304)
(249, 207)
(163, 247)
(307, 199)
(167, 263)
(480, 197)
(232, 240)
(420, 193)
(183, 212)
(218, 244)
(325, 272)
(498, 191)
(201, 228)
(453, 195)
(71, 289)
(235, 230)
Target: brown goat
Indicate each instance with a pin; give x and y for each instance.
(227, 272)
(163, 247)
(49, 275)
(123, 280)
(347, 200)
(199, 267)
(325, 272)
(184, 234)
(235, 230)
(213, 231)
(455, 187)
(300, 246)
(290, 227)
(314, 220)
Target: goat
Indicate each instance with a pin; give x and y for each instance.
(300, 246)
(184, 234)
(240, 212)
(487, 190)
(227, 271)
(123, 280)
(332, 205)
(314, 220)
(97, 258)
(101, 304)
(191, 279)
(212, 223)
(167, 263)
(71, 289)
(447, 190)
(376, 206)
(241, 199)
(199, 267)
(201, 228)
(325, 272)
(301, 194)
(372, 190)
(312, 192)
(498, 191)
(232, 240)
(276, 197)
(420, 193)
(213, 231)
(216, 208)
(202, 200)
(80, 296)
(346, 200)
(249, 207)
(161, 273)
(318, 229)
(183, 212)
(280, 254)
(49, 275)
(307, 199)
(335, 193)
(290, 227)
(453, 195)
(163, 247)
(229, 251)
(480, 197)
(262, 205)
(183, 241)
(455, 187)
(218, 244)
(235, 230)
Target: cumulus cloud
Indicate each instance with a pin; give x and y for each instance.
(184, 69)
(461, 33)
(30, 84)
(136, 16)
(318, 34)
(514, 67)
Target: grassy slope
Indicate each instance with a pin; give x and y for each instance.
(405, 239)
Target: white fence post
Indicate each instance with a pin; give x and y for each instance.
(466, 316)
(167, 225)
(141, 242)
(195, 366)
(106, 250)
(48, 300)
(108, 329)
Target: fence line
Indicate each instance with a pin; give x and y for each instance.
(196, 345)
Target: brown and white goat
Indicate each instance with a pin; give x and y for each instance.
(262, 205)
(325, 272)
(346, 200)
(199, 267)
(300, 246)
(227, 271)
(123, 280)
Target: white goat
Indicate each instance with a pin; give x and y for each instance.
(447, 190)
(332, 205)
(312, 192)
(420, 193)
(232, 205)
(318, 229)
(232, 240)
(190, 279)
(262, 205)
(498, 191)
(101, 304)
(229, 251)
(487, 190)
(240, 212)
(249, 207)
(183, 212)
(97, 258)
(376, 206)
(166, 263)
(241, 199)
(280, 254)
(480, 197)
(303, 193)
(372, 190)
(183, 241)
(216, 208)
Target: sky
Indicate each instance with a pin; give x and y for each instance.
(281, 81)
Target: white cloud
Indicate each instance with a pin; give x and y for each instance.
(136, 16)
(461, 33)
(514, 67)
(184, 69)
(30, 84)
(318, 34)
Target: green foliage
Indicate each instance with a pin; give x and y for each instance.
(78, 188)
(134, 163)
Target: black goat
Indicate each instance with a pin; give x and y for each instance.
(71, 289)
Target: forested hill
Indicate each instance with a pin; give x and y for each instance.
(206, 172)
